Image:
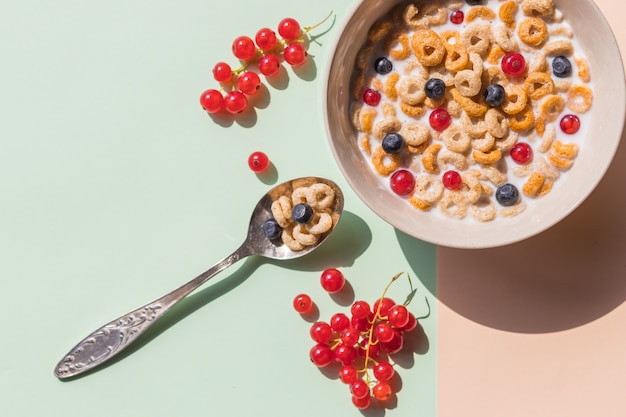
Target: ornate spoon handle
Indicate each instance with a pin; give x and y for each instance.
(113, 337)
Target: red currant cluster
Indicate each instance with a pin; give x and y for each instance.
(360, 342)
(265, 53)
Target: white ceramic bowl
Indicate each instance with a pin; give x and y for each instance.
(600, 47)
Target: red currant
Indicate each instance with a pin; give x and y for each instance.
(360, 389)
(235, 102)
(382, 391)
(385, 304)
(269, 65)
(371, 97)
(348, 374)
(402, 182)
(395, 345)
(383, 371)
(398, 315)
(266, 39)
(522, 153)
(513, 64)
(457, 17)
(302, 303)
(222, 72)
(350, 336)
(249, 83)
(362, 324)
(365, 349)
(345, 354)
(295, 54)
(289, 28)
(212, 101)
(452, 180)
(244, 48)
(411, 324)
(258, 161)
(360, 309)
(321, 355)
(332, 280)
(362, 403)
(570, 124)
(383, 332)
(440, 119)
(321, 332)
(339, 322)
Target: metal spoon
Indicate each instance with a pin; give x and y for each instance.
(110, 339)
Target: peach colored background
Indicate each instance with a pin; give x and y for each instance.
(539, 328)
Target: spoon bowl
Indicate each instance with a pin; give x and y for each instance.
(110, 339)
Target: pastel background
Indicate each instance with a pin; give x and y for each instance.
(115, 187)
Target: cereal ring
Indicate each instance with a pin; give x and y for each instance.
(287, 238)
(506, 144)
(533, 31)
(561, 30)
(368, 115)
(471, 107)
(476, 128)
(281, 210)
(468, 82)
(428, 188)
(551, 108)
(471, 187)
(441, 73)
(565, 150)
(497, 123)
(487, 158)
(540, 125)
(389, 110)
(413, 67)
(376, 84)
(523, 120)
(480, 12)
(299, 195)
(515, 99)
(508, 12)
(494, 75)
(484, 144)
(428, 47)
(494, 175)
(415, 134)
(303, 236)
(450, 37)
(562, 85)
(320, 196)
(411, 90)
(385, 163)
(513, 210)
(413, 111)
(495, 54)
(579, 99)
(453, 204)
(548, 137)
(419, 203)
(436, 15)
(321, 223)
(503, 37)
(455, 4)
(390, 86)
(455, 139)
(433, 104)
(522, 171)
(387, 125)
(538, 85)
(533, 184)
(477, 38)
(583, 68)
(550, 171)
(561, 163)
(538, 63)
(457, 57)
(483, 211)
(365, 144)
(457, 160)
(419, 149)
(429, 158)
(545, 188)
(454, 109)
(544, 8)
(363, 57)
(399, 48)
(560, 47)
(413, 19)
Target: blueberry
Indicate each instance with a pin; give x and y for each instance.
(474, 2)
(393, 143)
(494, 95)
(302, 213)
(383, 66)
(271, 229)
(562, 67)
(507, 195)
(435, 88)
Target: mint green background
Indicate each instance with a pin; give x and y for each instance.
(115, 187)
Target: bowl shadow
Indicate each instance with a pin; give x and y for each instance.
(569, 275)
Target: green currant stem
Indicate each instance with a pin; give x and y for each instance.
(307, 29)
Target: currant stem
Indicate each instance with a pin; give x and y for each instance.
(307, 29)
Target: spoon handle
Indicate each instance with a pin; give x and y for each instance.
(110, 339)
